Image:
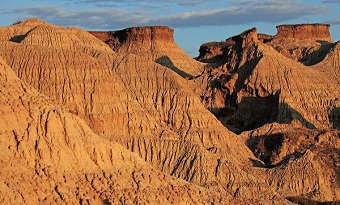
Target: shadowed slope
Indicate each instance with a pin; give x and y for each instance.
(304, 162)
(306, 43)
(255, 86)
(255, 70)
(154, 43)
(49, 155)
(146, 107)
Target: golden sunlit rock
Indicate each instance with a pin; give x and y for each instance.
(126, 117)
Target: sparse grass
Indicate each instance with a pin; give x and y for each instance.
(16, 22)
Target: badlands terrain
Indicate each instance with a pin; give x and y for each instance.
(127, 117)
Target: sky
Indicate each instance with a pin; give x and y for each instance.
(195, 21)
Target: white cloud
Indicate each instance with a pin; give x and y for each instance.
(134, 2)
(89, 19)
(331, 1)
(242, 12)
(335, 21)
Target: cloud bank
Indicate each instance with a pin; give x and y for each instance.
(244, 13)
(117, 2)
(331, 1)
(240, 12)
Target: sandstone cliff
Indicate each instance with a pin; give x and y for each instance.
(246, 70)
(306, 43)
(251, 84)
(147, 107)
(312, 32)
(154, 43)
(125, 95)
(51, 156)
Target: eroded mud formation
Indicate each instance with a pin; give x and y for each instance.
(126, 117)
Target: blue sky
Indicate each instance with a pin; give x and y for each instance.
(195, 21)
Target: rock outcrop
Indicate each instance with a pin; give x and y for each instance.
(151, 110)
(251, 85)
(305, 43)
(127, 119)
(154, 43)
(51, 156)
(237, 84)
(311, 32)
(290, 148)
(216, 53)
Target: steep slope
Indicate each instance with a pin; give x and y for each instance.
(306, 43)
(143, 105)
(251, 85)
(303, 161)
(49, 155)
(331, 62)
(31, 31)
(154, 43)
(282, 89)
(311, 92)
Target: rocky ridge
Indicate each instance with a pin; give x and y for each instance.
(306, 43)
(287, 106)
(244, 73)
(312, 32)
(51, 156)
(160, 115)
(149, 100)
(155, 43)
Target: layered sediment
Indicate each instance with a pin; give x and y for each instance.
(128, 116)
(255, 85)
(311, 32)
(151, 110)
(50, 155)
(243, 61)
(155, 43)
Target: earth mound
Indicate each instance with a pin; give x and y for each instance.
(114, 102)
(243, 75)
(51, 156)
(154, 43)
(151, 110)
(279, 104)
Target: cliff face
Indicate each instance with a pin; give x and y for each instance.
(224, 86)
(141, 39)
(137, 39)
(217, 53)
(146, 107)
(312, 32)
(129, 94)
(51, 156)
(306, 43)
(154, 43)
(253, 85)
(244, 60)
